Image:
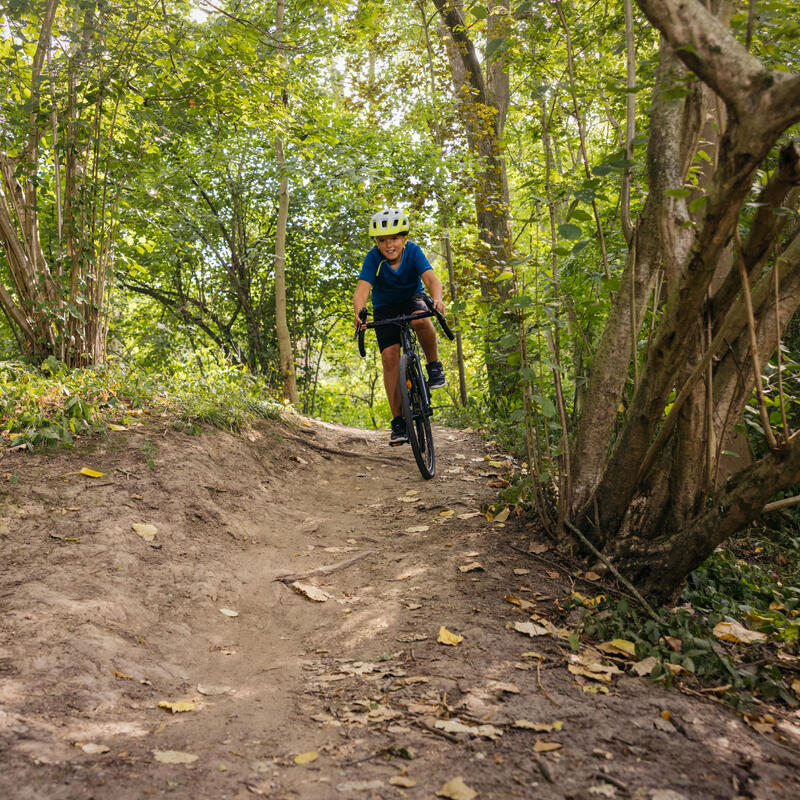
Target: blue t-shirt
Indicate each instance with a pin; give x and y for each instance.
(389, 285)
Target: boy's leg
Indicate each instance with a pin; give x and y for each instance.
(426, 334)
(391, 363)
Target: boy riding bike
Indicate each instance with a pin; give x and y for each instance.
(396, 272)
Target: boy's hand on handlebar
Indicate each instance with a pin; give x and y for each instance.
(439, 306)
(360, 320)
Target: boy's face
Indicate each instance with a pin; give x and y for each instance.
(391, 247)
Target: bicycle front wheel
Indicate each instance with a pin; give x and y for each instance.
(417, 414)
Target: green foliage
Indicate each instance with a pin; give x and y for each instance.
(755, 583)
(51, 405)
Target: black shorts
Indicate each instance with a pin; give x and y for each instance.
(388, 335)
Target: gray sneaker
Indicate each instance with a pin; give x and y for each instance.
(436, 378)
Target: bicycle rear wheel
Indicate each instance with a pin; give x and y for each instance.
(416, 412)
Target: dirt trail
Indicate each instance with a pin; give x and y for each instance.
(100, 626)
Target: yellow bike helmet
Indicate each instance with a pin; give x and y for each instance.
(388, 222)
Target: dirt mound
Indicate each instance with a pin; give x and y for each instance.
(271, 628)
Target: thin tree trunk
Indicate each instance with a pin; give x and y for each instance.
(281, 325)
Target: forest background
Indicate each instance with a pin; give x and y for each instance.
(608, 191)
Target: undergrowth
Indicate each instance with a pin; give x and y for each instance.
(50, 404)
(753, 582)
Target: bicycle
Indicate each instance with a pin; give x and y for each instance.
(414, 390)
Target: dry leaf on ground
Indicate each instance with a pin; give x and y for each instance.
(310, 591)
(531, 628)
(456, 789)
(502, 686)
(93, 749)
(475, 565)
(229, 612)
(539, 727)
(645, 666)
(734, 632)
(446, 637)
(91, 473)
(403, 781)
(545, 747)
(178, 707)
(174, 757)
(456, 726)
(618, 646)
(212, 691)
(147, 532)
(306, 758)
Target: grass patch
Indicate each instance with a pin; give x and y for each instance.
(49, 405)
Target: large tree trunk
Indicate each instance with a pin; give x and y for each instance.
(483, 106)
(646, 494)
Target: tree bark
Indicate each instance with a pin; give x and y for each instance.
(285, 351)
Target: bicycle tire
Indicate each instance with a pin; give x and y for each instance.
(414, 396)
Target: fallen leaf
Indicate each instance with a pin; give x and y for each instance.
(595, 688)
(553, 574)
(591, 576)
(469, 515)
(545, 747)
(734, 632)
(537, 548)
(114, 427)
(531, 628)
(306, 758)
(229, 612)
(502, 516)
(418, 529)
(445, 637)
(619, 646)
(475, 565)
(403, 781)
(539, 727)
(603, 790)
(645, 666)
(516, 601)
(310, 591)
(348, 788)
(178, 707)
(123, 675)
(445, 514)
(409, 499)
(796, 686)
(456, 726)
(502, 686)
(174, 757)
(520, 571)
(147, 532)
(93, 749)
(676, 669)
(456, 789)
(90, 473)
(213, 691)
(576, 669)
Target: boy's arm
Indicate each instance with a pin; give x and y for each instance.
(360, 297)
(434, 287)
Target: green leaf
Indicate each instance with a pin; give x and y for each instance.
(494, 46)
(570, 231)
(698, 203)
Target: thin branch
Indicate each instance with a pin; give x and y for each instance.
(751, 327)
